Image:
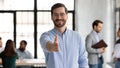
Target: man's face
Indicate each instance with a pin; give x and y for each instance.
(118, 33)
(22, 46)
(98, 28)
(59, 17)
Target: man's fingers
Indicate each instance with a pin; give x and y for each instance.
(56, 48)
(56, 43)
(56, 39)
(53, 46)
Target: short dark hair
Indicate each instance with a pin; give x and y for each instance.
(96, 22)
(57, 5)
(25, 42)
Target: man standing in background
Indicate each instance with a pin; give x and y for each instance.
(95, 58)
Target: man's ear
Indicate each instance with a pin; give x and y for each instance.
(95, 27)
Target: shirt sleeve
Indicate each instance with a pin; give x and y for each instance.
(43, 40)
(83, 60)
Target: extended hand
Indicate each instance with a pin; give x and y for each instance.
(102, 50)
(53, 46)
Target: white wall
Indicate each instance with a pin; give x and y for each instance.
(86, 11)
(1, 3)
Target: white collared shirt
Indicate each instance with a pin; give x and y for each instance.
(117, 51)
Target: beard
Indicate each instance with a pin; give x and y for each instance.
(22, 49)
(59, 22)
(98, 31)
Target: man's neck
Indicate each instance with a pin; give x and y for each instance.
(95, 31)
(61, 30)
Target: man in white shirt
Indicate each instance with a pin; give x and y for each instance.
(23, 53)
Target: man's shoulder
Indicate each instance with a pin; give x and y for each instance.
(18, 51)
(90, 35)
(26, 51)
(73, 32)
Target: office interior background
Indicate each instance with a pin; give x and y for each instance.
(28, 19)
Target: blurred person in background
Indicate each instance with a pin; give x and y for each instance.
(95, 57)
(1, 47)
(23, 53)
(116, 52)
(9, 55)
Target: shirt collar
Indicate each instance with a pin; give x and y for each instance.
(57, 32)
(95, 32)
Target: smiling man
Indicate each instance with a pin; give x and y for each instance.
(63, 48)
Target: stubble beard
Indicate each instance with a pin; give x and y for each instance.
(59, 23)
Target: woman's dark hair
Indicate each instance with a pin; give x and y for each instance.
(96, 22)
(57, 5)
(9, 48)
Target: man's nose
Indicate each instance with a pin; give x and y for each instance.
(59, 16)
